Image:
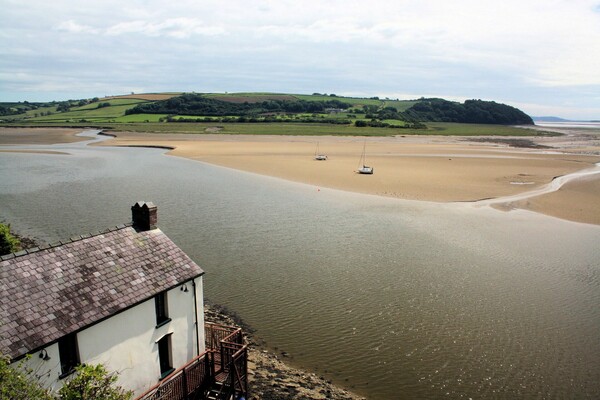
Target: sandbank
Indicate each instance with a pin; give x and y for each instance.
(575, 201)
(425, 168)
(20, 136)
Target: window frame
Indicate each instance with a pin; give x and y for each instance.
(165, 356)
(68, 352)
(161, 307)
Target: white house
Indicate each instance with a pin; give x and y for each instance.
(127, 298)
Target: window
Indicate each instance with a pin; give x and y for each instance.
(164, 356)
(68, 353)
(162, 315)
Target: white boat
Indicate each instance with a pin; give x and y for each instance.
(363, 168)
(319, 156)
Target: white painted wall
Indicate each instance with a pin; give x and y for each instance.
(127, 342)
(46, 372)
(200, 314)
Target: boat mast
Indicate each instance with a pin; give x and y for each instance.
(364, 154)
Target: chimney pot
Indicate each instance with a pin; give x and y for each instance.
(144, 216)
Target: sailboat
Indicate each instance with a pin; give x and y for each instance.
(319, 156)
(363, 168)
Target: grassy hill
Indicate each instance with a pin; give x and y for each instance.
(271, 113)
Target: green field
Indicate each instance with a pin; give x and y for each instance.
(112, 102)
(140, 118)
(250, 97)
(305, 129)
(113, 117)
(89, 112)
(39, 111)
(400, 105)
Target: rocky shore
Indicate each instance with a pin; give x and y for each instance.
(269, 377)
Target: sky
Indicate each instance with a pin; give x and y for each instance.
(542, 56)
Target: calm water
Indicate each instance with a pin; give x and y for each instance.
(393, 299)
(569, 124)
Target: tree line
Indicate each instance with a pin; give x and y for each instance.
(470, 112)
(424, 110)
(197, 104)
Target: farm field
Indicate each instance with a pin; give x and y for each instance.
(114, 113)
(144, 96)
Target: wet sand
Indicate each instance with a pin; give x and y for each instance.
(20, 136)
(426, 168)
(576, 201)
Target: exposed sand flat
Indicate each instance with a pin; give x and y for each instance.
(16, 136)
(431, 168)
(416, 159)
(428, 168)
(575, 201)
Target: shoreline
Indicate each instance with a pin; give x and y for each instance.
(439, 169)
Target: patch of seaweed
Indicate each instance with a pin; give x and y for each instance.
(521, 143)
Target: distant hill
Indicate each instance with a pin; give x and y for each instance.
(201, 105)
(562, 120)
(319, 108)
(550, 119)
(259, 106)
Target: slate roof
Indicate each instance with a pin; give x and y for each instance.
(49, 292)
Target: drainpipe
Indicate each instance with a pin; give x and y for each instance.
(196, 318)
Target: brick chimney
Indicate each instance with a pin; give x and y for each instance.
(144, 216)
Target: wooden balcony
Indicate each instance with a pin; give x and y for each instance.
(221, 372)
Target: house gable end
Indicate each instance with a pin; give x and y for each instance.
(59, 290)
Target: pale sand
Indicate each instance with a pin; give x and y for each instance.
(438, 169)
(575, 201)
(431, 168)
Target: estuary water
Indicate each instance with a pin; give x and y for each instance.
(391, 299)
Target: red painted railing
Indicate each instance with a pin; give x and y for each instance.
(222, 369)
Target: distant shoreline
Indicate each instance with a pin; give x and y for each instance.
(568, 124)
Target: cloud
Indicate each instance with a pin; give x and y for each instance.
(71, 26)
(512, 49)
(180, 28)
